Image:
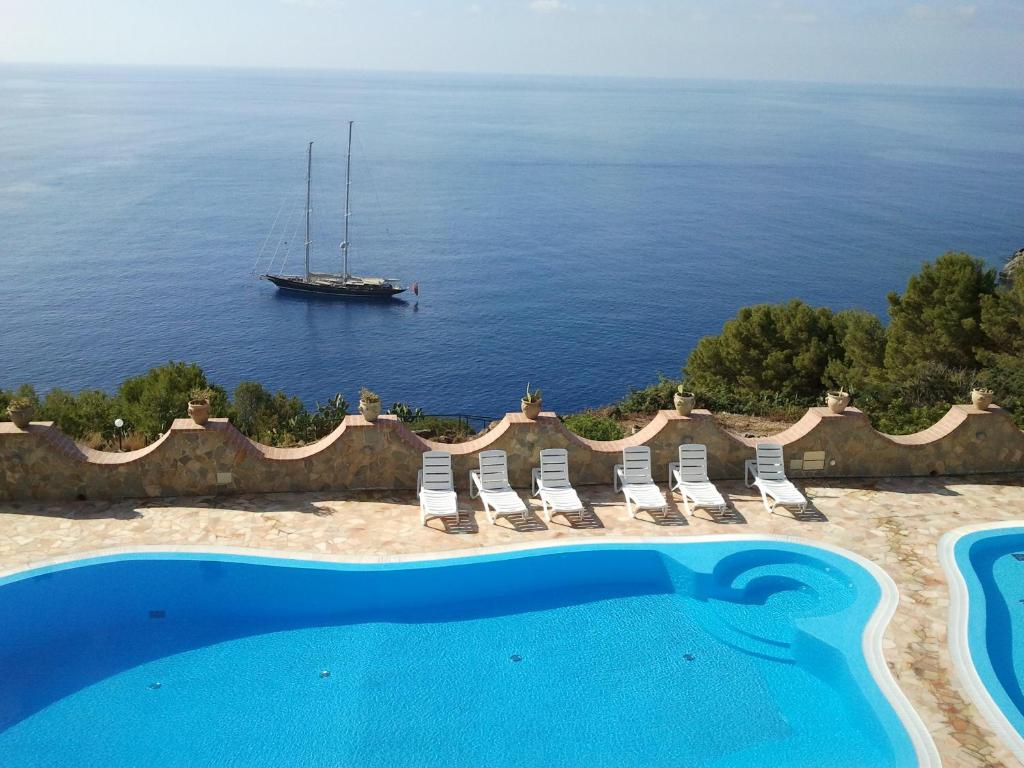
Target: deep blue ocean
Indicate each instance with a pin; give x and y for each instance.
(579, 234)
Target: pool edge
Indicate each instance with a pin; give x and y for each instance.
(871, 641)
(957, 637)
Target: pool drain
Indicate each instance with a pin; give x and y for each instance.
(154, 686)
(689, 656)
(516, 657)
(325, 673)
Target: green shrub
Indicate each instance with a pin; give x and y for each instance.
(899, 418)
(656, 397)
(268, 418)
(405, 412)
(441, 428)
(156, 398)
(1004, 375)
(87, 413)
(594, 427)
(24, 392)
(324, 419)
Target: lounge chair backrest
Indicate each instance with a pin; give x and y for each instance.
(693, 463)
(636, 464)
(437, 471)
(770, 463)
(554, 468)
(493, 470)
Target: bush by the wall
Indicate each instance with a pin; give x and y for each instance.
(594, 427)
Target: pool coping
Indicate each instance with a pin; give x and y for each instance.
(871, 640)
(958, 641)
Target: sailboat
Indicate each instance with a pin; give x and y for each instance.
(342, 284)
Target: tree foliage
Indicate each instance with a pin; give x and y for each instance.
(937, 319)
(1002, 321)
(951, 329)
(861, 338)
(152, 401)
(265, 417)
(780, 348)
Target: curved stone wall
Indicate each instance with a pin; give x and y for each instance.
(42, 463)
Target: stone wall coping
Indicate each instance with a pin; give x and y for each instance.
(51, 434)
(955, 417)
(813, 419)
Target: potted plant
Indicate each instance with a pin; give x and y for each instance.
(199, 405)
(21, 410)
(981, 397)
(837, 400)
(683, 401)
(369, 404)
(531, 403)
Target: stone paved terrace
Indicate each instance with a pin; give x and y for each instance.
(895, 522)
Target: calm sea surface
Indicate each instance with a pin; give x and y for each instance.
(577, 234)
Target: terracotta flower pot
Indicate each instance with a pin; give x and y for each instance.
(370, 411)
(684, 402)
(837, 400)
(21, 416)
(199, 410)
(982, 398)
(531, 409)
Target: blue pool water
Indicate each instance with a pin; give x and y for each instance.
(995, 621)
(579, 234)
(700, 654)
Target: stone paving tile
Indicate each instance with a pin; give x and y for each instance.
(894, 522)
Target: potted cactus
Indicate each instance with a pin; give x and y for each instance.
(199, 405)
(981, 397)
(683, 401)
(369, 404)
(531, 403)
(837, 400)
(21, 410)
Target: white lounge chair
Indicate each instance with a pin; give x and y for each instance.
(490, 483)
(633, 478)
(689, 476)
(435, 487)
(769, 477)
(551, 483)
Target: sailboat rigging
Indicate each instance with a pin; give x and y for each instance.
(341, 284)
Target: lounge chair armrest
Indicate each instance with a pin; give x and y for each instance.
(419, 481)
(617, 477)
(749, 472)
(673, 467)
(535, 481)
(475, 485)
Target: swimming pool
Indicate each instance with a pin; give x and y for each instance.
(723, 651)
(985, 569)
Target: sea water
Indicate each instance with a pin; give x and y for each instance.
(577, 234)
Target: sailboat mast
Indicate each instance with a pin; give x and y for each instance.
(309, 178)
(348, 210)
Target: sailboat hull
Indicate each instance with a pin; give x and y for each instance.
(352, 289)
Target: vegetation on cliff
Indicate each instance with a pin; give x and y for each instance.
(953, 328)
